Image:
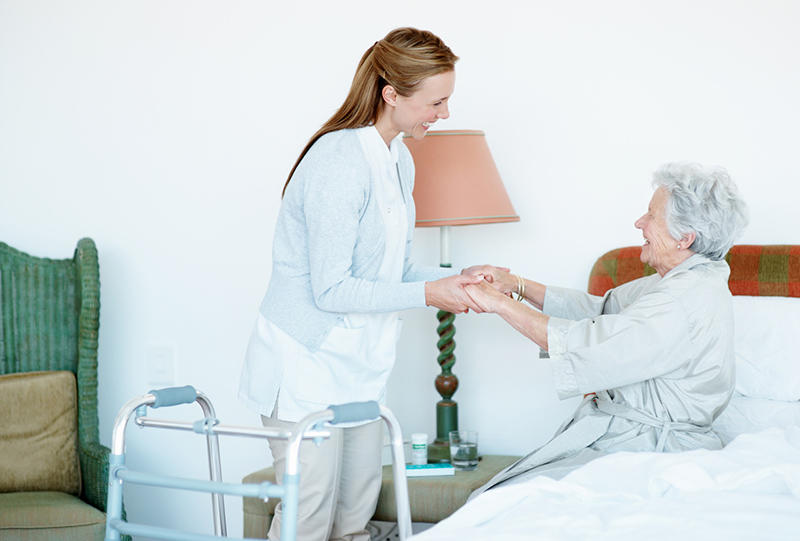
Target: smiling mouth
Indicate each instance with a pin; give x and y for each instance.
(428, 124)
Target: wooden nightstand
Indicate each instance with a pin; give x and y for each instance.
(435, 498)
(431, 498)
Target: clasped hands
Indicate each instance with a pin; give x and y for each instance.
(474, 289)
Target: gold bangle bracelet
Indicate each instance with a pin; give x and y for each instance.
(520, 288)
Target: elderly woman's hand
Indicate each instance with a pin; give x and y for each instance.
(499, 277)
(526, 320)
(485, 296)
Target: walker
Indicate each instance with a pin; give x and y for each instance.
(308, 428)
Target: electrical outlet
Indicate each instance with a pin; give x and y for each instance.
(161, 365)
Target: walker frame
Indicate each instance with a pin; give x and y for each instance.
(309, 428)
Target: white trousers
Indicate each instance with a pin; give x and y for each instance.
(339, 482)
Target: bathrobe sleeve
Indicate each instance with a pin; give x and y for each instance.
(615, 343)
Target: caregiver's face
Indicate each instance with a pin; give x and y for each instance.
(659, 249)
(417, 113)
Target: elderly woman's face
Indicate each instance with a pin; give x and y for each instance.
(660, 250)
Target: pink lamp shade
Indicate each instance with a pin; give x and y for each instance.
(457, 182)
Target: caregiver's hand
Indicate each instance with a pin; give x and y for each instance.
(485, 296)
(448, 294)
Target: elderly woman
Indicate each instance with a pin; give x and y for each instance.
(654, 357)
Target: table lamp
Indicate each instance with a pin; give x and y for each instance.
(457, 183)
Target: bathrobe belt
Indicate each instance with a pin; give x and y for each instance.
(604, 404)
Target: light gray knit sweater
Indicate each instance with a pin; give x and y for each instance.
(329, 243)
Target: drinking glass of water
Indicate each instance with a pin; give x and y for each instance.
(464, 449)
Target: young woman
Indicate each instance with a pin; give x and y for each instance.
(327, 327)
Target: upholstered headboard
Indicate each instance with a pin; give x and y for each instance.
(756, 269)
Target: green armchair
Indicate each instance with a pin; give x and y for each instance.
(50, 320)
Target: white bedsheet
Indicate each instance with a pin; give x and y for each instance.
(748, 491)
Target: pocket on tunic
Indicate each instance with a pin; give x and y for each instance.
(326, 376)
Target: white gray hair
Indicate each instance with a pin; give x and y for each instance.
(703, 201)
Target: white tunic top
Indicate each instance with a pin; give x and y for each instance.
(355, 360)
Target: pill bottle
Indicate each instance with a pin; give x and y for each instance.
(419, 449)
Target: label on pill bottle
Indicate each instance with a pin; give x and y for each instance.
(419, 449)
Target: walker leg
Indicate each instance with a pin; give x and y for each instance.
(114, 503)
(214, 468)
(291, 484)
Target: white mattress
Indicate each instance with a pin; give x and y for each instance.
(748, 491)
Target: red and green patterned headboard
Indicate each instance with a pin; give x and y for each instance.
(756, 269)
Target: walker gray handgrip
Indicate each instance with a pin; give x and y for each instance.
(173, 396)
(355, 411)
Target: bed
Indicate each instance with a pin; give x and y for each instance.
(750, 490)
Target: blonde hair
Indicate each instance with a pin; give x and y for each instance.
(403, 59)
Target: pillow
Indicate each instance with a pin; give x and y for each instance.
(39, 433)
(746, 415)
(765, 337)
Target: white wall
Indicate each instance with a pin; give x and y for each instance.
(165, 130)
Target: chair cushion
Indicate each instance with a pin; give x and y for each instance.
(49, 515)
(38, 434)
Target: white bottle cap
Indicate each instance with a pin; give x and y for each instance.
(419, 438)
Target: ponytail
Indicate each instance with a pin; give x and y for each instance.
(403, 59)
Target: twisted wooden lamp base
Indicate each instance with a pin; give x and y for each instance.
(446, 385)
